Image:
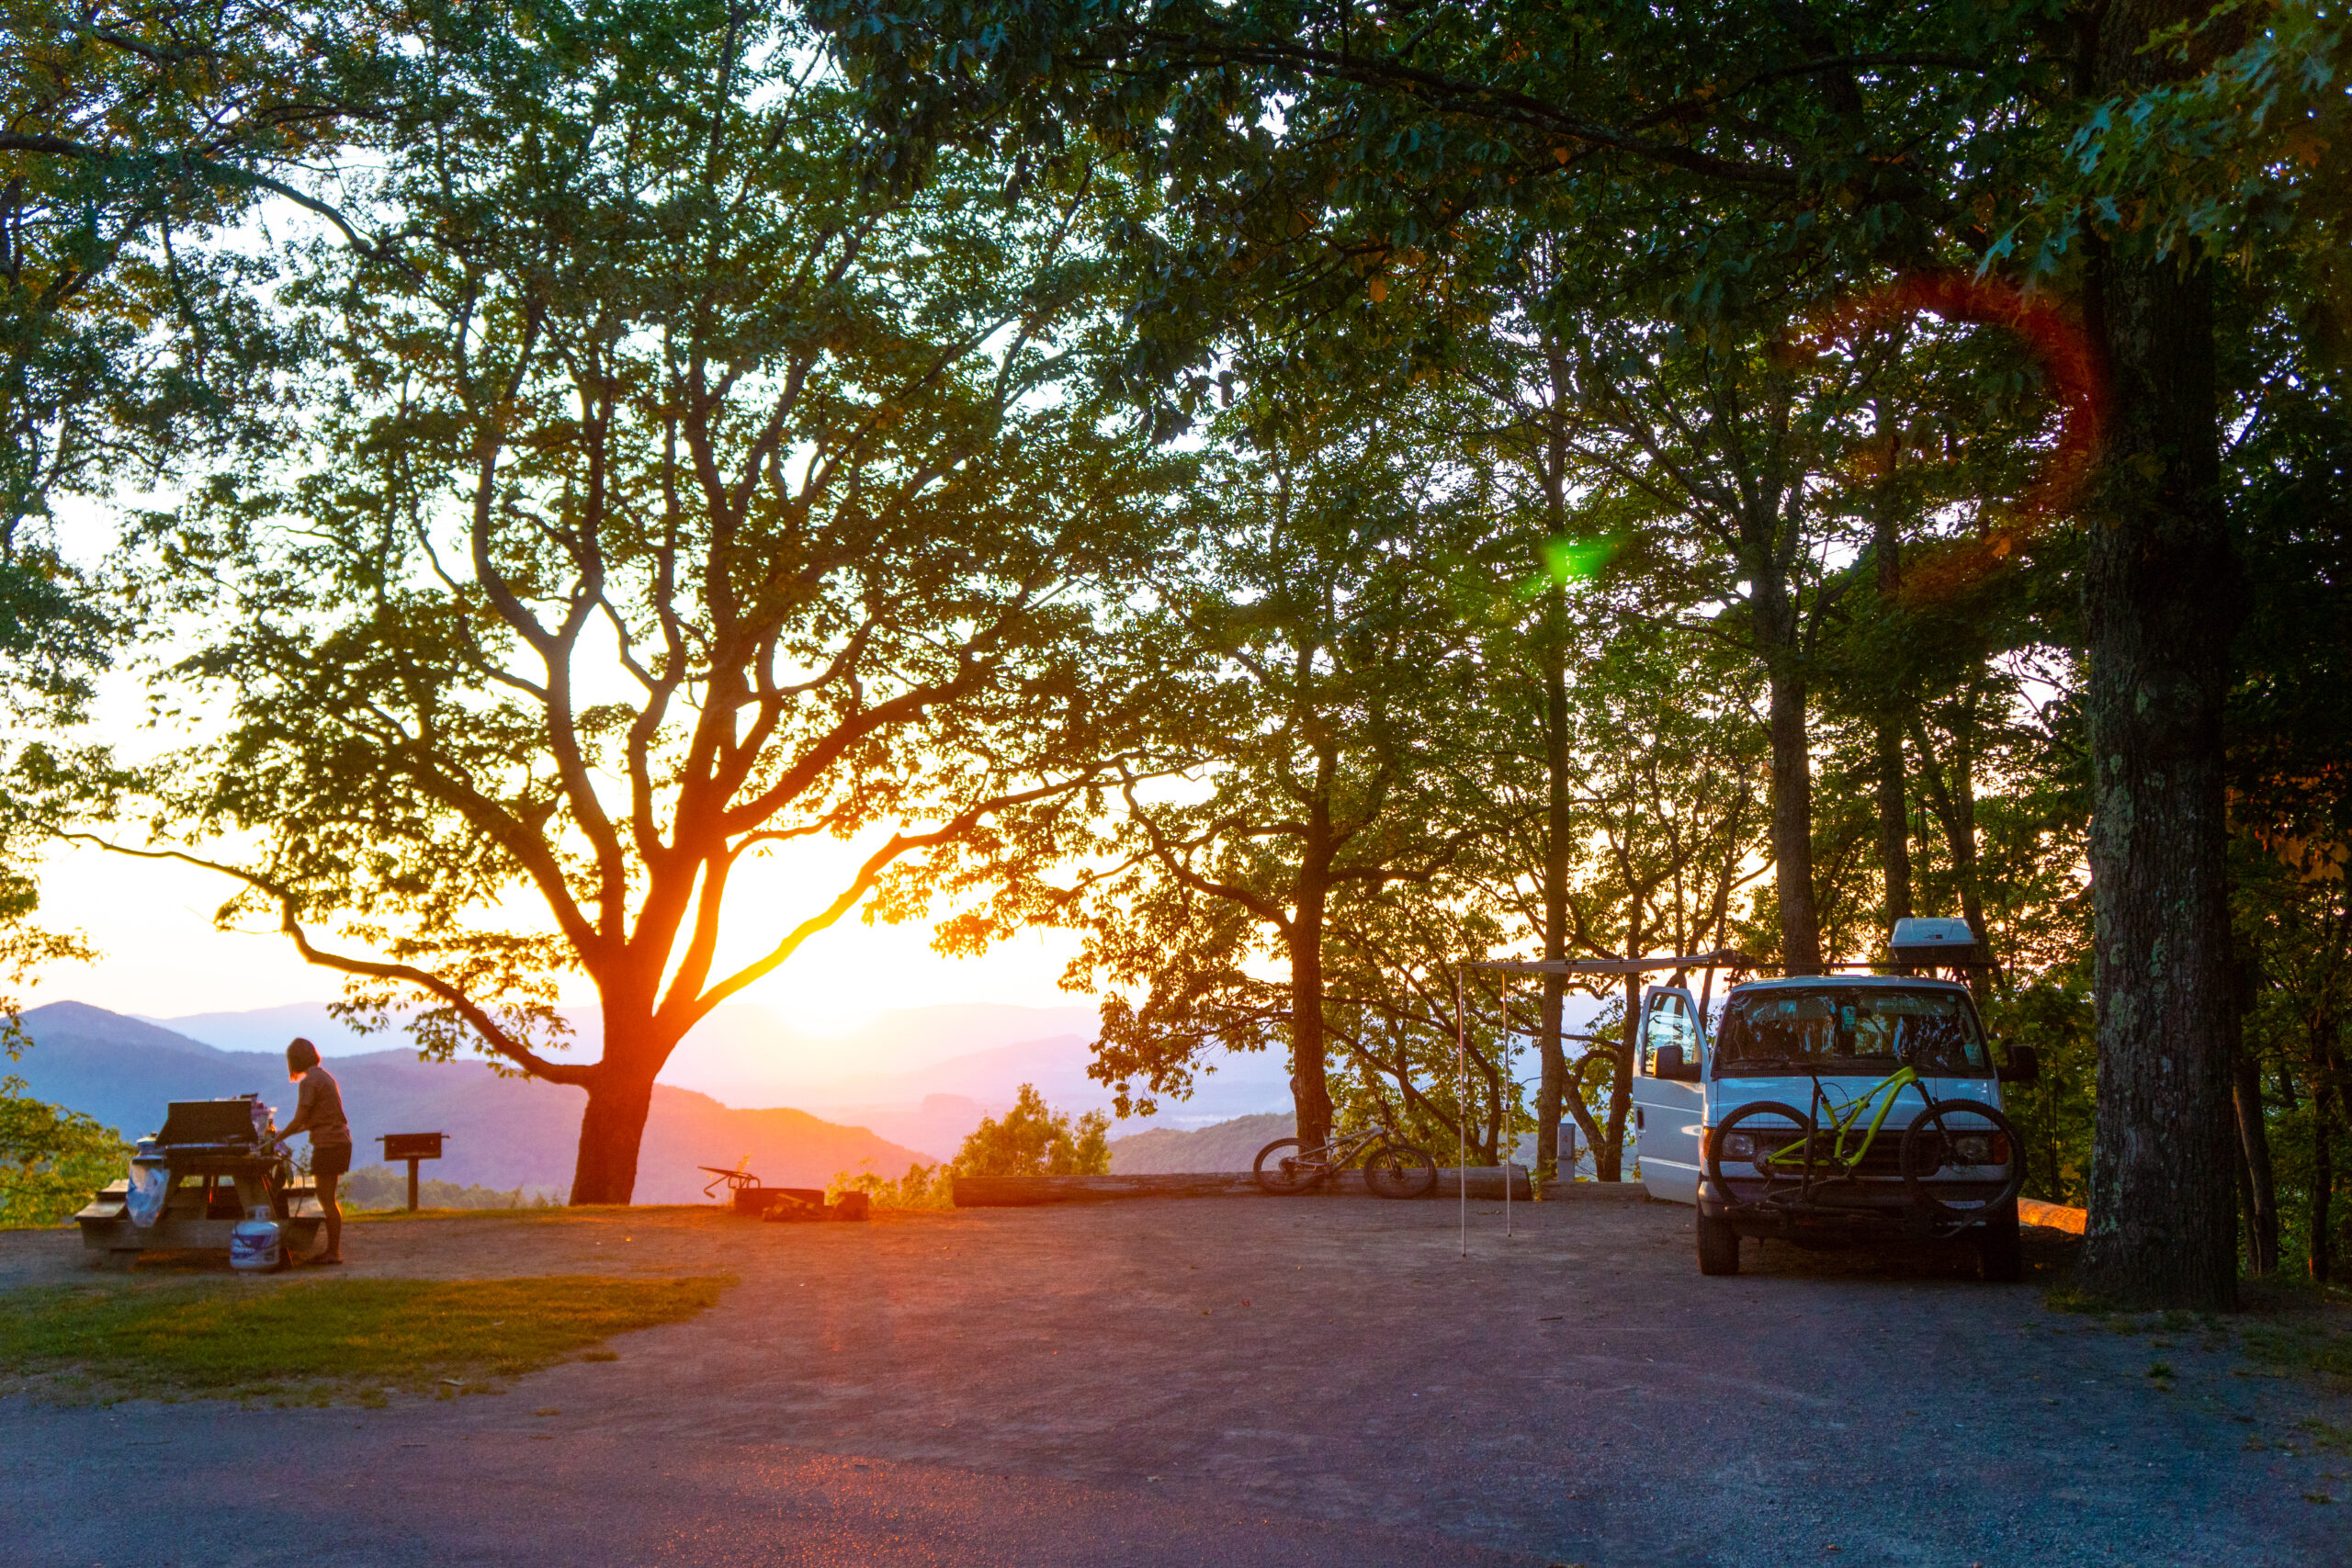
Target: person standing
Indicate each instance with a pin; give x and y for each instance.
(318, 1110)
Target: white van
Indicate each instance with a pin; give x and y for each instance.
(1833, 1110)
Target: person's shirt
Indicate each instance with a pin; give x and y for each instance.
(318, 1110)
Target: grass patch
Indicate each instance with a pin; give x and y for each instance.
(2313, 1347)
(320, 1339)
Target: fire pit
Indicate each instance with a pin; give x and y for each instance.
(213, 1164)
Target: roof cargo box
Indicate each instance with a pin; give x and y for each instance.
(1933, 941)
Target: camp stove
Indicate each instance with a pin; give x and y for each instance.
(215, 1163)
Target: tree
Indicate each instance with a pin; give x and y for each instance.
(135, 134)
(50, 1158)
(663, 500)
(1314, 607)
(1033, 1139)
(1885, 136)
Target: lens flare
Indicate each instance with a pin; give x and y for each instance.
(2069, 361)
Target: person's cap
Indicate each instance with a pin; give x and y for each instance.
(302, 1055)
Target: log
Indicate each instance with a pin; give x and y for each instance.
(1024, 1192)
(1597, 1192)
(1482, 1182)
(1485, 1181)
(2056, 1216)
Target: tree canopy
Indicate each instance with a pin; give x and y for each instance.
(1305, 494)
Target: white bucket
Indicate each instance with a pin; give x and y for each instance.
(253, 1243)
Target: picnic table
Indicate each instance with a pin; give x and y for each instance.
(220, 1165)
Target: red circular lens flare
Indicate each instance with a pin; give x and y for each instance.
(2076, 385)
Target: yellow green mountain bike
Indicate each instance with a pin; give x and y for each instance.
(1960, 1161)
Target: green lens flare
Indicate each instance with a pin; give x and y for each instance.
(1567, 561)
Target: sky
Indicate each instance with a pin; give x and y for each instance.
(161, 957)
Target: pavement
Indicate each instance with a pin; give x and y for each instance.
(1229, 1382)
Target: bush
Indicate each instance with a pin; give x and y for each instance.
(385, 1186)
(51, 1159)
(1036, 1140)
(924, 1187)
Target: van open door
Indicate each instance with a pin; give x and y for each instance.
(1669, 1093)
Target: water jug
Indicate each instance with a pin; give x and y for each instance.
(151, 1183)
(253, 1243)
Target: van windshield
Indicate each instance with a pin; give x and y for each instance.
(1851, 1030)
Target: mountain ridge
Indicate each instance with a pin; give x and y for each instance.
(506, 1132)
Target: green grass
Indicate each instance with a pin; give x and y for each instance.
(2305, 1348)
(322, 1339)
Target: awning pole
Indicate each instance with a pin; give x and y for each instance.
(1502, 1106)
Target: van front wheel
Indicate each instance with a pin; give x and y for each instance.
(1718, 1247)
(2000, 1253)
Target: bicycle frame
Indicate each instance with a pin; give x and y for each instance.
(1335, 1154)
(1842, 1117)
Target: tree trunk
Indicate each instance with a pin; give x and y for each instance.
(610, 1132)
(1609, 1164)
(2322, 1219)
(2254, 1137)
(1793, 817)
(2159, 604)
(1953, 802)
(1551, 1051)
(1552, 1090)
(1893, 814)
(1310, 1093)
(1893, 824)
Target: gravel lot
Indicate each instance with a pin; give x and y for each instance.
(1228, 1380)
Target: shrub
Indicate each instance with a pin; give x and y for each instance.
(51, 1159)
(1036, 1140)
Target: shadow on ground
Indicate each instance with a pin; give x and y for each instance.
(1238, 1382)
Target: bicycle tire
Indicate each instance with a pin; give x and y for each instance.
(1799, 1129)
(1400, 1170)
(1928, 1146)
(1283, 1179)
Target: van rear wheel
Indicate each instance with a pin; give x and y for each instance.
(1718, 1246)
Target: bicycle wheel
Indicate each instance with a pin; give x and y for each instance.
(1287, 1174)
(1746, 1142)
(1400, 1170)
(1978, 1145)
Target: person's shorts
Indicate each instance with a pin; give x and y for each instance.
(331, 1159)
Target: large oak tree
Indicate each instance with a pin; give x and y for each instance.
(661, 498)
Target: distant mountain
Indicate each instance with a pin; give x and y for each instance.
(504, 1132)
(1228, 1145)
(741, 1054)
(918, 1078)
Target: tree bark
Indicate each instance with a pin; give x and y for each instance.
(2322, 1219)
(2254, 1137)
(1893, 824)
(1310, 1091)
(610, 1133)
(2160, 604)
(1552, 1087)
(1894, 815)
(1552, 1090)
(1793, 817)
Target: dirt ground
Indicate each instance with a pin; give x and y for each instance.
(1228, 1380)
